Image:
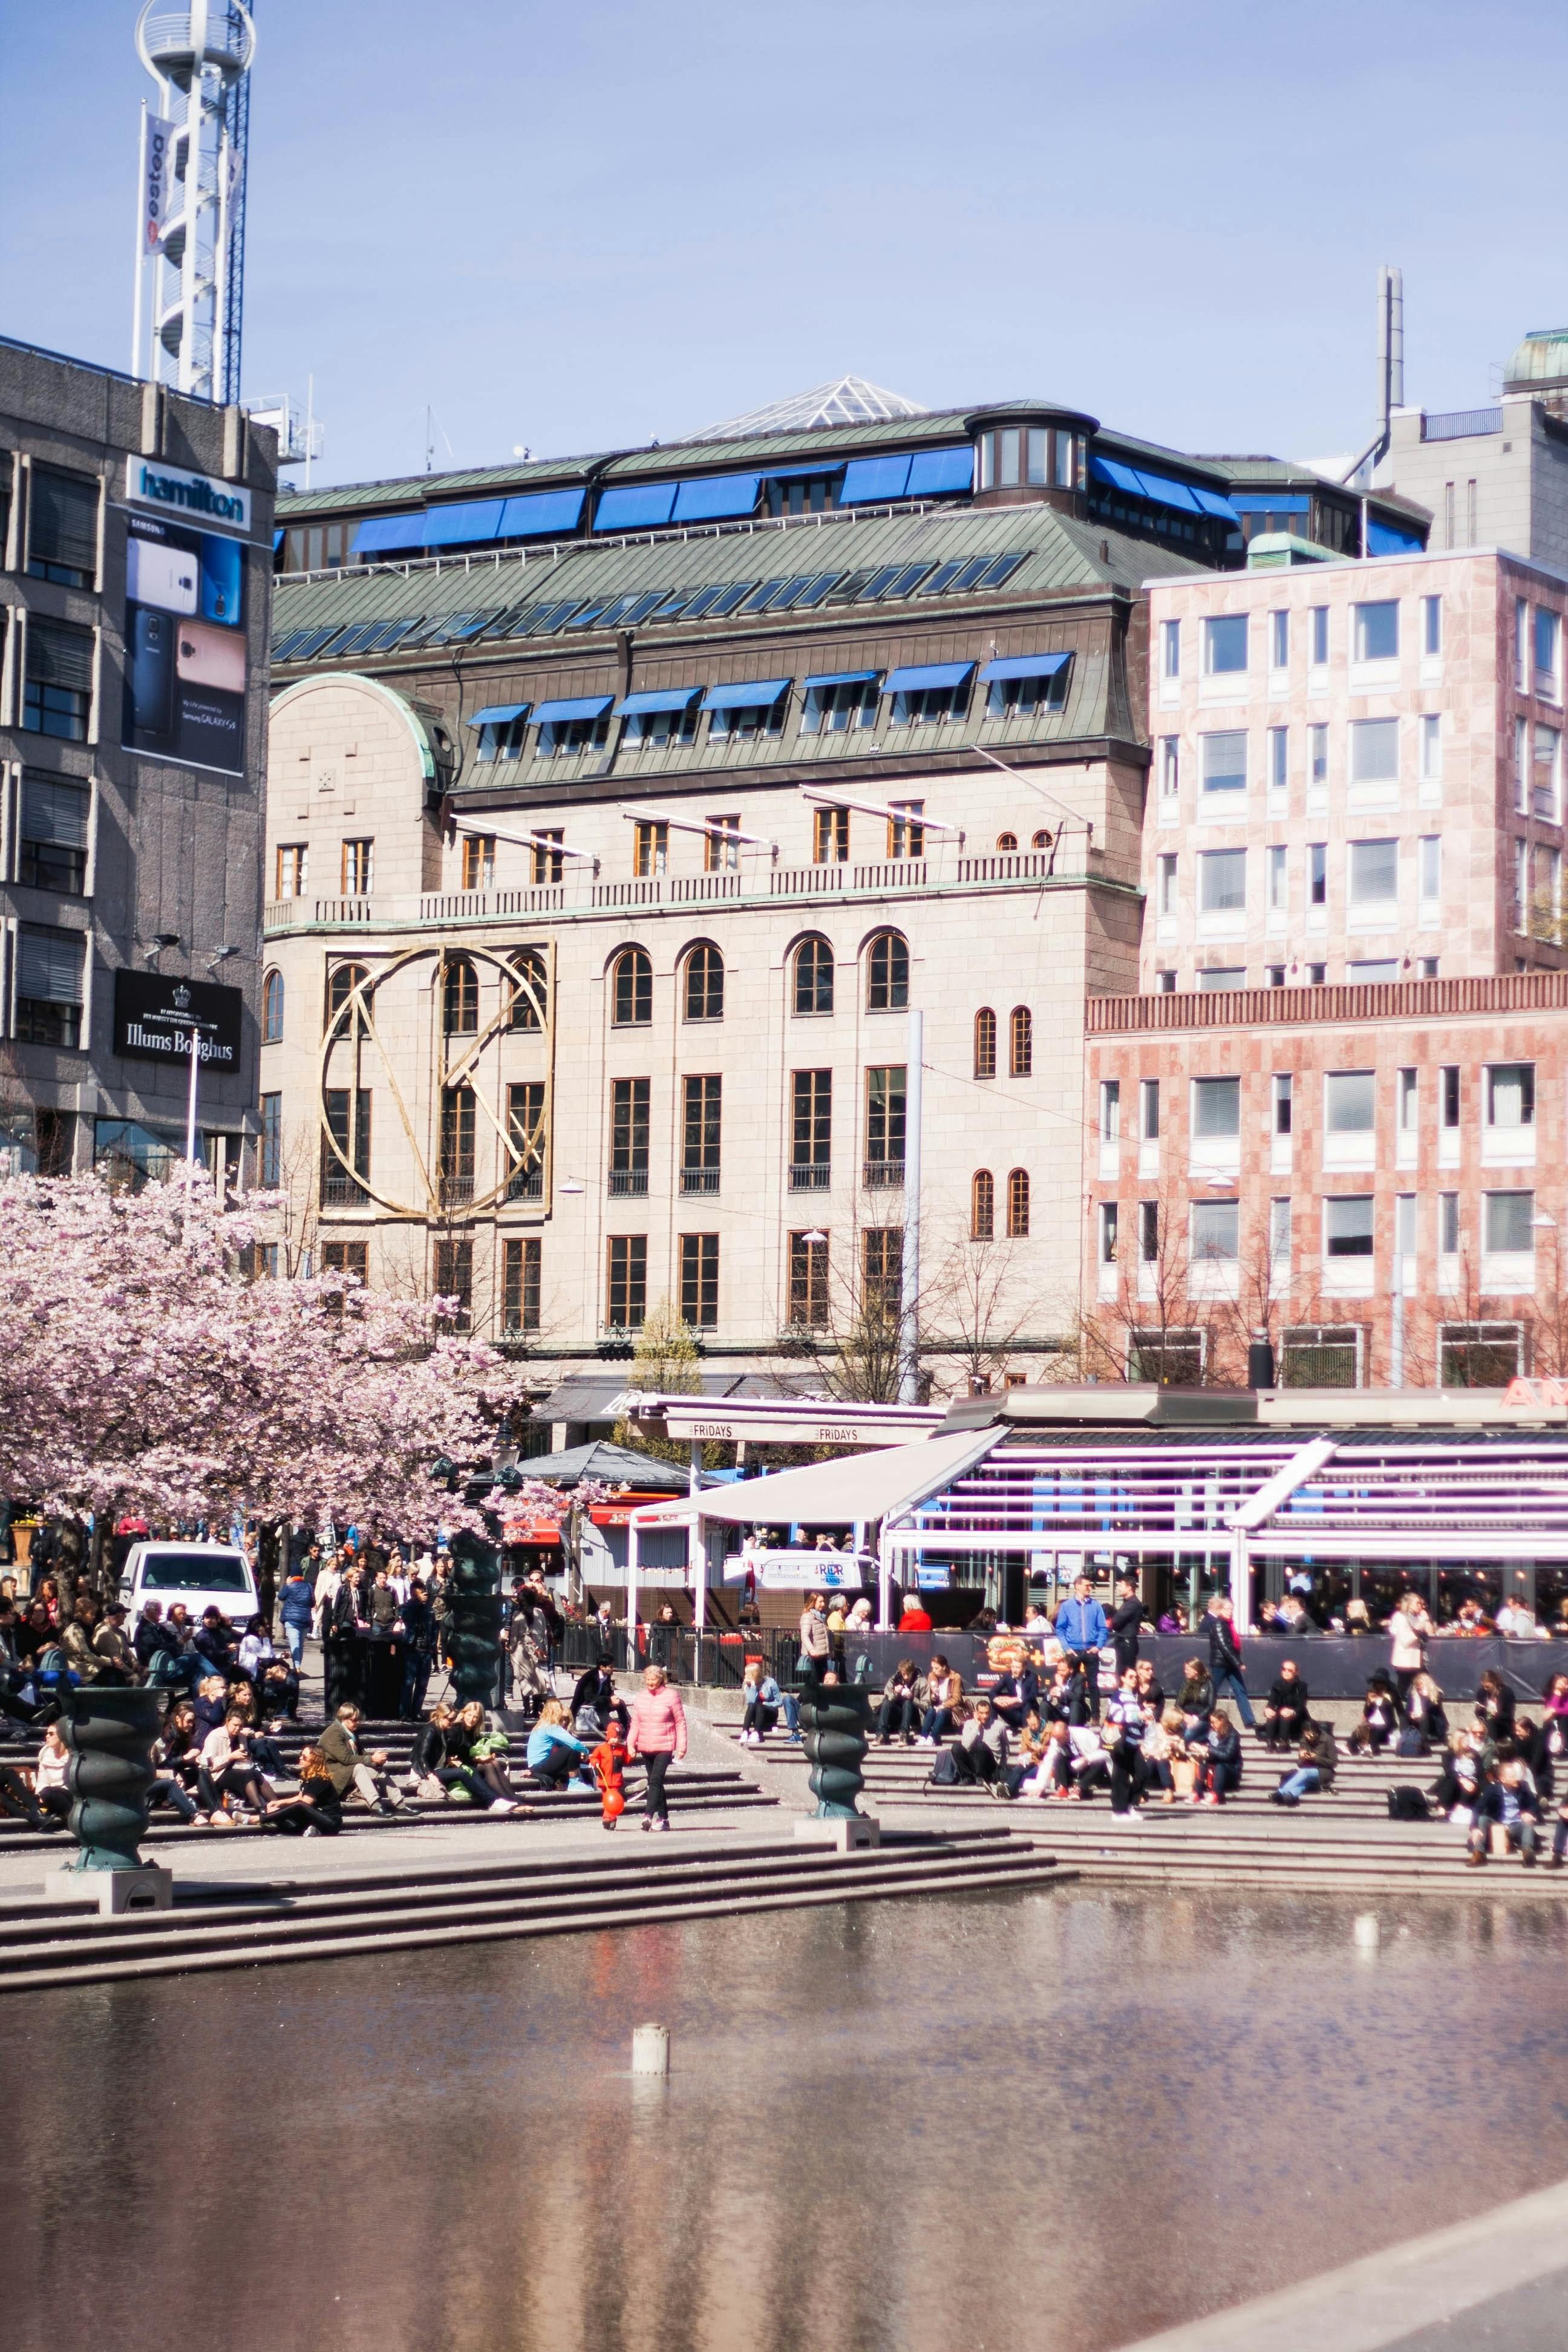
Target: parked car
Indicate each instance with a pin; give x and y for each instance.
(204, 1576)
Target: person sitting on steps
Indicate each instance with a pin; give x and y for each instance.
(898, 1712)
(1508, 1810)
(1316, 1760)
(1285, 1718)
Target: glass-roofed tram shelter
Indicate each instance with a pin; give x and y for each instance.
(1461, 1495)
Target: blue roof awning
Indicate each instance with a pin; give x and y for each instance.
(1119, 477)
(1026, 666)
(755, 693)
(934, 472)
(787, 473)
(840, 678)
(675, 697)
(277, 541)
(538, 513)
(867, 481)
(932, 674)
(389, 530)
(1267, 502)
(1166, 492)
(497, 712)
(719, 494)
(456, 526)
(1389, 539)
(1212, 504)
(586, 706)
(639, 506)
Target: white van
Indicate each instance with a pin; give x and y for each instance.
(204, 1576)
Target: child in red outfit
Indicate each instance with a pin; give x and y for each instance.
(607, 1764)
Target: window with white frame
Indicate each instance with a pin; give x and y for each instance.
(1170, 766)
(1318, 756)
(1221, 881)
(1408, 1098)
(1521, 642)
(1522, 767)
(1110, 1224)
(1170, 648)
(1277, 856)
(1375, 750)
(1507, 1223)
(1544, 779)
(1429, 853)
(1280, 1233)
(1216, 1107)
(1217, 1233)
(1511, 1094)
(1225, 645)
(1373, 873)
(1319, 618)
(1165, 886)
(1317, 872)
(1278, 758)
(1520, 887)
(1547, 651)
(1224, 760)
(1448, 1225)
(1431, 625)
(1376, 628)
(1109, 1110)
(1149, 1109)
(1149, 1232)
(1348, 1227)
(1430, 747)
(1278, 640)
(1284, 1095)
(1350, 1102)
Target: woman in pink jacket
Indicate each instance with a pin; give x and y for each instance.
(657, 1733)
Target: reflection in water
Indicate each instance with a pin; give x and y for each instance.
(1055, 2120)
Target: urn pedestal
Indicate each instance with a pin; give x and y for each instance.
(109, 1733)
(474, 1629)
(834, 1725)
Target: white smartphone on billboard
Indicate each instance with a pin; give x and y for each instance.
(168, 577)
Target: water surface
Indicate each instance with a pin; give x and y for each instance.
(1050, 2121)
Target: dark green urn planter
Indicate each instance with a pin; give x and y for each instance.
(109, 1733)
(835, 1724)
(474, 1628)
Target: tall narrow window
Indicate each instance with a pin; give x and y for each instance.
(52, 837)
(808, 1279)
(293, 868)
(906, 833)
(1018, 1204)
(700, 1280)
(885, 1100)
(453, 1278)
(525, 1139)
(1431, 625)
(812, 976)
(343, 979)
(345, 1146)
(549, 860)
(62, 528)
(1171, 650)
(629, 1136)
(1169, 766)
(531, 990)
(811, 1149)
(1109, 1110)
(1278, 640)
(882, 1271)
(985, 1043)
(1149, 1110)
(478, 861)
(722, 845)
(625, 1286)
(650, 849)
(458, 1126)
(887, 973)
(459, 997)
(701, 1122)
(359, 868)
(1149, 1232)
(1278, 759)
(631, 989)
(982, 1205)
(271, 1142)
(703, 993)
(272, 1009)
(1318, 617)
(1020, 1041)
(521, 1283)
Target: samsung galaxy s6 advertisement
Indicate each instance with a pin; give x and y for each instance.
(185, 645)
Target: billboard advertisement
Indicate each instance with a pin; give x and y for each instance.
(155, 1013)
(185, 658)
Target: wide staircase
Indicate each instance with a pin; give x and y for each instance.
(691, 1788)
(51, 1943)
(1343, 1841)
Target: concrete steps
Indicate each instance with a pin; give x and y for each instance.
(45, 1943)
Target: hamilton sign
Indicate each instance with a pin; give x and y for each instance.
(155, 1012)
(195, 497)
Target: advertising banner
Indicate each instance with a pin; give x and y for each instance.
(156, 1012)
(158, 195)
(184, 646)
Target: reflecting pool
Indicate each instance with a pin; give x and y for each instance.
(1044, 2121)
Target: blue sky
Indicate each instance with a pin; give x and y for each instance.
(592, 227)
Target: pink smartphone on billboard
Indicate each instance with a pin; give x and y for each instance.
(209, 656)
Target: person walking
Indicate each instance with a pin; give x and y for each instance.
(1082, 1631)
(657, 1733)
(296, 1606)
(1224, 1660)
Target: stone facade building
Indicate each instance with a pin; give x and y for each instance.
(134, 607)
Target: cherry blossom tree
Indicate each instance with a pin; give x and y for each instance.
(139, 1366)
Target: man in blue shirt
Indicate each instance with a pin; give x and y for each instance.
(1081, 1629)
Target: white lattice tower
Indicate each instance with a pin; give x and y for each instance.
(199, 59)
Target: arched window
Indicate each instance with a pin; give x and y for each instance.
(342, 979)
(1041, 840)
(982, 1205)
(813, 976)
(703, 996)
(1017, 1204)
(887, 973)
(1005, 841)
(985, 1043)
(531, 995)
(272, 1009)
(459, 997)
(631, 989)
(1020, 1041)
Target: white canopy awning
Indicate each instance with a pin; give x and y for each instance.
(858, 1488)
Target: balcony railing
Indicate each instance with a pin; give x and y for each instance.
(341, 1191)
(700, 1180)
(628, 1183)
(456, 1191)
(810, 1175)
(527, 1185)
(882, 1175)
